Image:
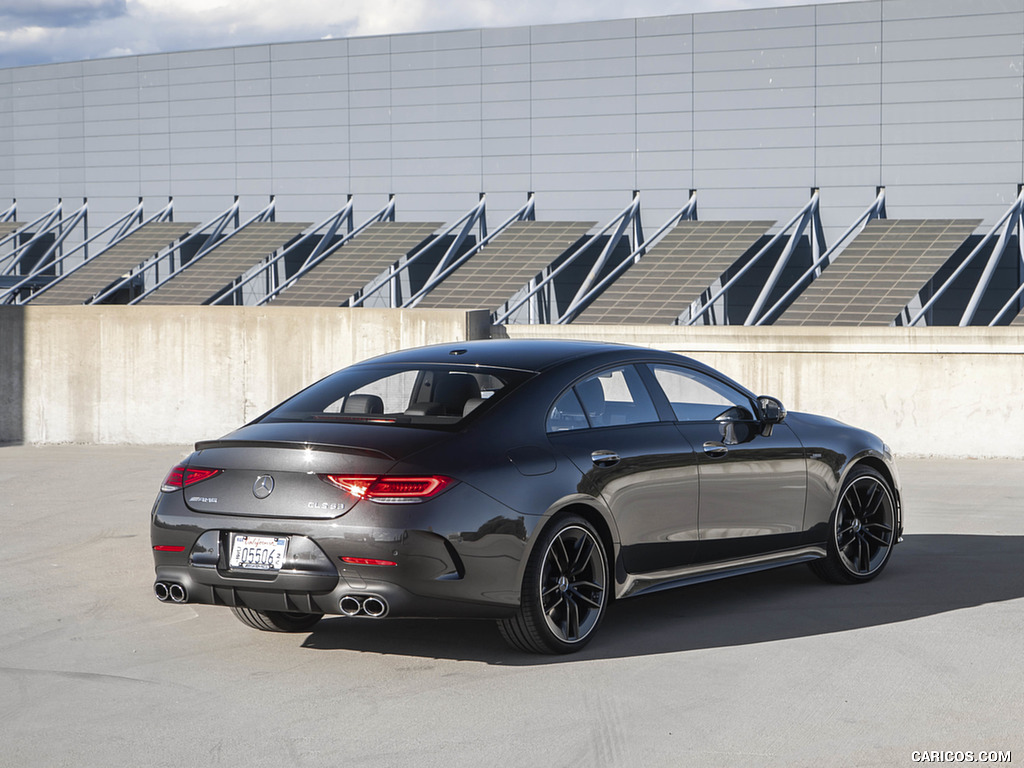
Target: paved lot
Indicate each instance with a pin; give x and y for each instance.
(774, 669)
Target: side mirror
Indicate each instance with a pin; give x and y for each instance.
(772, 412)
(728, 421)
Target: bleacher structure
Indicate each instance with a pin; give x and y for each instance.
(675, 272)
(333, 281)
(690, 271)
(879, 273)
(79, 286)
(493, 276)
(224, 263)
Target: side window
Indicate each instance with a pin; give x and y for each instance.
(696, 397)
(566, 414)
(616, 397)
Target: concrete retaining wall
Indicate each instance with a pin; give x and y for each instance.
(927, 391)
(179, 374)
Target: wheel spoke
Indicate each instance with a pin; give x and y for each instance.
(589, 601)
(548, 592)
(572, 620)
(879, 539)
(874, 501)
(864, 555)
(584, 549)
(551, 608)
(883, 526)
(560, 558)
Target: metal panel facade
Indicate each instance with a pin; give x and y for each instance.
(752, 108)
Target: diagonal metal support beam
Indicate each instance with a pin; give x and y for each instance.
(327, 229)
(478, 214)
(218, 223)
(875, 211)
(47, 223)
(1006, 221)
(1013, 225)
(716, 295)
(687, 212)
(124, 225)
(812, 218)
(387, 213)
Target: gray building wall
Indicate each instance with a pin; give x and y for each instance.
(752, 108)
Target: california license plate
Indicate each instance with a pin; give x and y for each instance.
(257, 553)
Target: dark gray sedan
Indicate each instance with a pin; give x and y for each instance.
(533, 482)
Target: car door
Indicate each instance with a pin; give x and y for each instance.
(753, 482)
(643, 468)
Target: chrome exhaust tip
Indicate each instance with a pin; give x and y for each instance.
(161, 592)
(177, 593)
(375, 607)
(350, 605)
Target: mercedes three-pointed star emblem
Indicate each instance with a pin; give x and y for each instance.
(263, 486)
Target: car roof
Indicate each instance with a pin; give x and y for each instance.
(522, 354)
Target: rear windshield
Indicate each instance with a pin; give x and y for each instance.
(425, 395)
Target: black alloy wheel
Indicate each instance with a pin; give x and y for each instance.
(862, 530)
(565, 590)
(276, 621)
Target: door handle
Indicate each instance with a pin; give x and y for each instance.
(604, 458)
(715, 450)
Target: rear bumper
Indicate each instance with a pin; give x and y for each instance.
(399, 602)
(462, 559)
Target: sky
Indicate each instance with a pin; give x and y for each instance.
(45, 31)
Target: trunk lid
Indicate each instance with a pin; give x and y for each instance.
(274, 470)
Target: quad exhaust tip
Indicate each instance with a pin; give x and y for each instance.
(370, 606)
(170, 592)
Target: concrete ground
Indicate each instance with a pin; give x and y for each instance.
(773, 669)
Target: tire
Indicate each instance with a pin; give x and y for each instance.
(862, 530)
(276, 621)
(565, 590)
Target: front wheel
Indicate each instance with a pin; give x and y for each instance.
(565, 590)
(276, 621)
(862, 530)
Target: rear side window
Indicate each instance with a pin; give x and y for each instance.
(610, 398)
(430, 395)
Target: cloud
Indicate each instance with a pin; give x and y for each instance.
(55, 14)
(43, 31)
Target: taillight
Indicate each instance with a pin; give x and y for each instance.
(390, 490)
(181, 477)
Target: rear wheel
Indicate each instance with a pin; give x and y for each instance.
(276, 621)
(565, 590)
(862, 530)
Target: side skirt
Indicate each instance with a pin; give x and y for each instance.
(643, 583)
